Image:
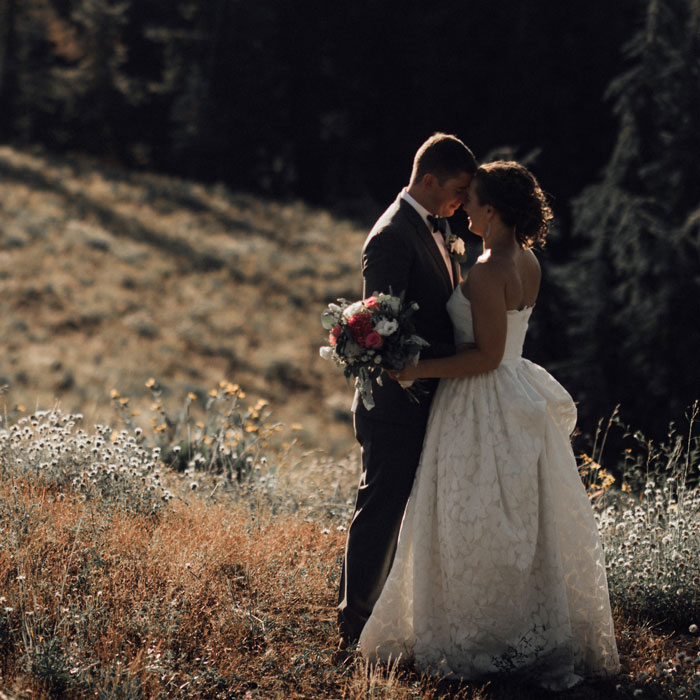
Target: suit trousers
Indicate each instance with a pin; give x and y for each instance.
(390, 457)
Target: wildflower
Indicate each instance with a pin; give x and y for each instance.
(194, 486)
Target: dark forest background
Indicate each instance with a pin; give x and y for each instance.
(328, 102)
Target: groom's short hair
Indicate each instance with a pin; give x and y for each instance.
(445, 156)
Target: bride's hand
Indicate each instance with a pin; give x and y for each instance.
(407, 374)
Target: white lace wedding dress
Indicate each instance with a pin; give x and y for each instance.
(499, 566)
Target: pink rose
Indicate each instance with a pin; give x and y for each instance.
(374, 340)
(332, 339)
(336, 330)
(371, 303)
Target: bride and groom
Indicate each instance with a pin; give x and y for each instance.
(494, 563)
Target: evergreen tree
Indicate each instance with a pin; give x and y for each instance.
(635, 284)
(8, 49)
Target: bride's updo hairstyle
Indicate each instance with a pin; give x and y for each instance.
(512, 190)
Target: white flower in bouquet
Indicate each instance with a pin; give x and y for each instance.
(353, 309)
(386, 326)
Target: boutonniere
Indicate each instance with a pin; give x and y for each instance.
(455, 247)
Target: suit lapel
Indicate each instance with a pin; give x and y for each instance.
(427, 240)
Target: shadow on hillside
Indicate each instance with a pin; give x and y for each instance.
(129, 227)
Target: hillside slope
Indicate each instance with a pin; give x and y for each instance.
(109, 277)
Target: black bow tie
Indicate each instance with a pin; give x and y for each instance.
(438, 224)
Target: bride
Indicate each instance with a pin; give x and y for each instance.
(499, 566)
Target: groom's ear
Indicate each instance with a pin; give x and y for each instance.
(428, 181)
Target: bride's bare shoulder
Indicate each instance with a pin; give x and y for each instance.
(528, 264)
(488, 271)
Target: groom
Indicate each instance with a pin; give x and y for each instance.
(404, 252)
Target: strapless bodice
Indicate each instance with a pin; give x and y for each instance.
(460, 311)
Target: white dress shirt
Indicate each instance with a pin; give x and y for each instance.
(437, 236)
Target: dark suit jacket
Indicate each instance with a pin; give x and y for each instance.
(401, 255)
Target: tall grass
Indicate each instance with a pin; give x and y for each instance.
(191, 559)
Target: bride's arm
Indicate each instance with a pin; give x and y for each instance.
(485, 286)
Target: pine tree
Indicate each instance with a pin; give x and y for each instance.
(8, 49)
(635, 284)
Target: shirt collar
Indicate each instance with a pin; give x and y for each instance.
(424, 213)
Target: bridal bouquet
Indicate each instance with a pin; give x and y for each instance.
(370, 335)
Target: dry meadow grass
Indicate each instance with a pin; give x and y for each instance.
(109, 277)
(125, 574)
(204, 601)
